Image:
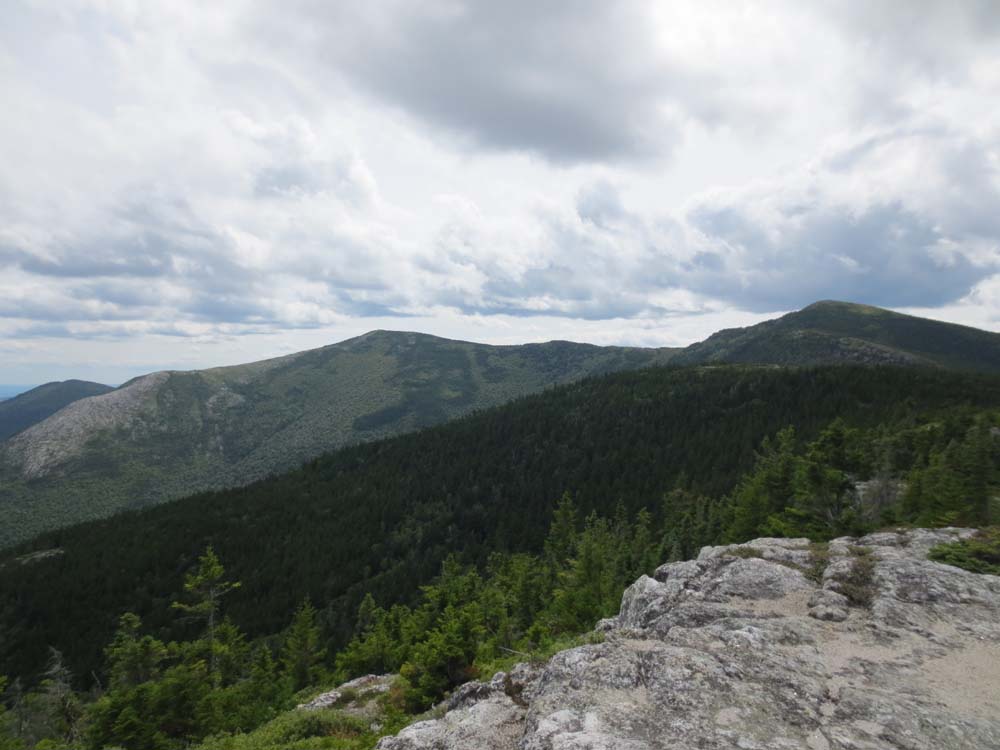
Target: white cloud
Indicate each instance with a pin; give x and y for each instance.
(239, 173)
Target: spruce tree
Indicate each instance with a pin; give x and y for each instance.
(301, 653)
(205, 586)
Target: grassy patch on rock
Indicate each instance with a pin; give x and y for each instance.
(859, 583)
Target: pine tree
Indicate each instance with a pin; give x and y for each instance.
(206, 586)
(643, 551)
(133, 659)
(62, 708)
(301, 654)
(560, 545)
(768, 489)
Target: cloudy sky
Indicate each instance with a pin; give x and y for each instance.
(187, 184)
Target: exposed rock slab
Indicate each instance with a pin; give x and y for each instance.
(350, 692)
(741, 649)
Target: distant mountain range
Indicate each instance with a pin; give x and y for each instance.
(170, 434)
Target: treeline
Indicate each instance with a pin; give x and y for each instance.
(381, 518)
(848, 482)
(518, 606)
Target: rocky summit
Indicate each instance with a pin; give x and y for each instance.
(776, 643)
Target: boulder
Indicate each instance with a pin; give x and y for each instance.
(740, 649)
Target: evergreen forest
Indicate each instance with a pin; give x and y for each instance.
(445, 555)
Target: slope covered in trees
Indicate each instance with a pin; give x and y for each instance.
(171, 434)
(212, 685)
(380, 518)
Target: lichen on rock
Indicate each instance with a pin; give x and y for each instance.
(742, 649)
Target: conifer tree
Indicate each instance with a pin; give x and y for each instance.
(302, 654)
(133, 658)
(62, 709)
(560, 545)
(205, 586)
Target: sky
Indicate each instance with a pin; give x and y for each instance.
(191, 184)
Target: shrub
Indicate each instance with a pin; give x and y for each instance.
(859, 583)
(979, 554)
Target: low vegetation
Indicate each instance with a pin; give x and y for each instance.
(980, 553)
(858, 585)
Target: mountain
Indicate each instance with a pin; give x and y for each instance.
(842, 332)
(381, 517)
(21, 411)
(169, 434)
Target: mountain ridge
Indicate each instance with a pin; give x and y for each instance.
(829, 331)
(175, 432)
(171, 433)
(381, 517)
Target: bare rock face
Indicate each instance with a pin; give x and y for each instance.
(363, 687)
(856, 645)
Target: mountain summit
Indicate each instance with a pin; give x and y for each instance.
(832, 332)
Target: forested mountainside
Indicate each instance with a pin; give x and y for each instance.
(830, 332)
(170, 434)
(23, 410)
(380, 518)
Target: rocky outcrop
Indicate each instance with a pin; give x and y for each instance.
(358, 691)
(856, 645)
